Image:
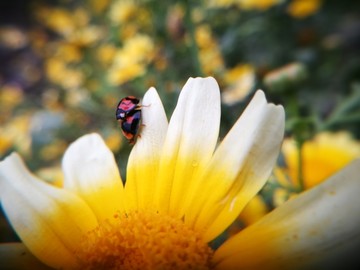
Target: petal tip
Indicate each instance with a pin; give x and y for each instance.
(11, 162)
(89, 140)
(150, 94)
(85, 149)
(9, 157)
(151, 90)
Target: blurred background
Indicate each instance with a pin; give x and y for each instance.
(65, 65)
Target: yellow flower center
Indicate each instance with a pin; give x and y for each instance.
(144, 240)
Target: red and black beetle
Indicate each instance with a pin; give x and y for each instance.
(128, 113)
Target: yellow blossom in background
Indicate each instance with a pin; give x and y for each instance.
(81, 16)
(74, 26)
(240, 81)
(11, 95)
(99, 6)
(128, 31)
(68, 52)
(322, 156)
(303, 8)
(139, 44)
(15, 135)
(122, 11)
(57, 70)
(132, 59)
(63, 21)
(64, 57)
(130, 17)
(125, 72)
(209, 52)
(106, 53)
(5, 143)
(58, 19)
(204, 36)
(86, 36)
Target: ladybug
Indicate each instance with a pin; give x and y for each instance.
(128, 113)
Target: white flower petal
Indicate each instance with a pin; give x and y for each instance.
(319, 229)
(241, 165)
(90, 171)
(16, 256)
(190, 141)
(144, 159)
(50, 221)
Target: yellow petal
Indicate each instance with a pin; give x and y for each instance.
(90, 171)
(240, 166)
(50, 221)
(254, 210)
(190, 142)
(144, 159)
(319, 229)
(17, 256)
(322, 156)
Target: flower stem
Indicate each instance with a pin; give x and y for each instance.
(300, 183)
